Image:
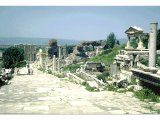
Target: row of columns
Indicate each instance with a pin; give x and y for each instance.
(140, 44)
(56, 62)
(29, 51)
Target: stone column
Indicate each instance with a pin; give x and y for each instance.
(33, 54)
(97, 50)
(152, 44)
(40, 58)
(54, 63)
(59, 52)
(58, 65)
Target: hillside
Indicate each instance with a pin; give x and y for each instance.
(107, 59)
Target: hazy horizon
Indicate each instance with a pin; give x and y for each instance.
(42, 41)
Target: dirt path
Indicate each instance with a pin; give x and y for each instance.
(42, 93)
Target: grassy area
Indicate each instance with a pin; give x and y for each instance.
(41, 69)
(1, 66)
(107, 59)
(71, 67)
(146, 94)
(104, 76)
(152, 109)
(158, 60)
(89, 88)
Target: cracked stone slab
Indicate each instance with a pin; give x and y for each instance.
(36, 108)
(43, 90)
(2, 93)
(45, 94)
(50, 98)
(117, 112)
(80, 103)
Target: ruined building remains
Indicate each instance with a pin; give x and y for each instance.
(29, 51)
(127, 62)
(52, 58)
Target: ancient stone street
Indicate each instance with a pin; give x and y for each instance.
(43, 93)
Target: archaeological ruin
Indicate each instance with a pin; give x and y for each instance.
(127, 62)
(96, 76)
(29, 51)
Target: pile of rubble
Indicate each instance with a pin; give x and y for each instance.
(5, 76)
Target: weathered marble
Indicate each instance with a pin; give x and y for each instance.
(45, 94)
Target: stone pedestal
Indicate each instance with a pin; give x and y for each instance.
(128, 44)
(140, 45)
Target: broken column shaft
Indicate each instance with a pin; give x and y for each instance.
(152, 44)
(54, 64)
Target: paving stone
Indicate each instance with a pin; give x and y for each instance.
(45, 94)
(117, 112)
(1, 93)
(50, 98)
(133, 112)
(36, 108)
(156, 106)
(43, 90)
(80, 103)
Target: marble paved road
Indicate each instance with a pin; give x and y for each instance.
(45, 94)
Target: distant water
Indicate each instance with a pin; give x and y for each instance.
(36, 41)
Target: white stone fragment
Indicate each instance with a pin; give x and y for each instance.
(92, 84)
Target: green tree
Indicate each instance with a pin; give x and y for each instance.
(53, 50)
(158, 39)
(134, 42)
(110, 41)
(69, 48)
(13, 57)
(52, 42)
(145, 40)
(117, 42)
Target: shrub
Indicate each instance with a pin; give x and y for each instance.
(103, 76)
(89, 88)
(144, 61)
(60, 75)
(133, 82)
(109, 78)
(146, 94)
(111, 88)
(13, 57)
(49, 71)
(21, 64)
(107, 51)
(41, 69)
(10, 76)
(71, 67)
(158, 60)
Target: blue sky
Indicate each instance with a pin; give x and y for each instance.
(79, 23)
